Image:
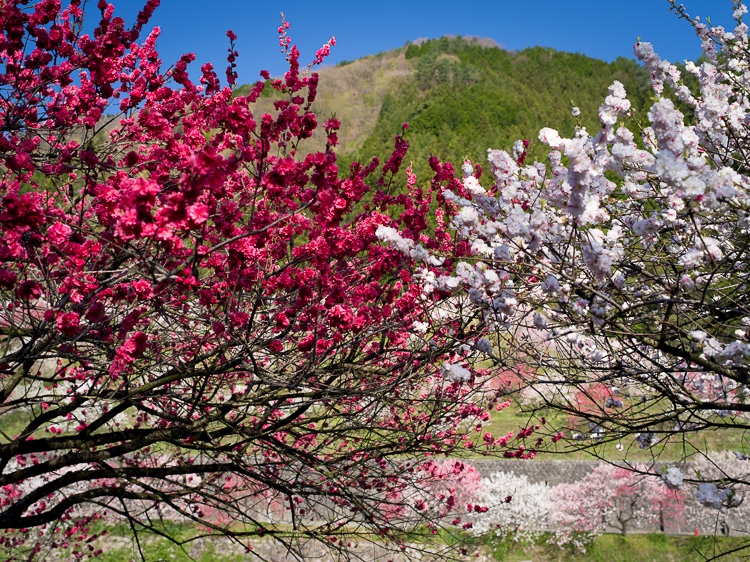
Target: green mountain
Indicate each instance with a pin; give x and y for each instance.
(461, 96)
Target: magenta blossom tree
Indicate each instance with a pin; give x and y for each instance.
(198, 320)
(615, 273)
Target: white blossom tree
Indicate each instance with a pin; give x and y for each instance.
(615, 276)
(515, 506)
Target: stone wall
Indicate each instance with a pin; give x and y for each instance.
(549, 471)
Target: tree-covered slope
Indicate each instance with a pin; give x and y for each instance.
(462, 96)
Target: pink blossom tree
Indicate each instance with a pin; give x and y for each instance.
(612, 497)
(446, 489)
(198, 319)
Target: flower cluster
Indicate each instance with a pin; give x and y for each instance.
(197, 315)
(721, 481)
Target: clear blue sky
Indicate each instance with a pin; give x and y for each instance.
(603, 29)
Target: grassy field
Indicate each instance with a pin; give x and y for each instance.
(677, 447)
(514, 418)
(633, 548)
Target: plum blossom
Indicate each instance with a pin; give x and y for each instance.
(485, 346)
(615, 103)
(646, 440)
(504, 167)
(550, 284)
(540, 321)
(709, 495)
(673, 478)
(454, 372)
(516, 507)
(406, 246)
(737, 352)
(550, 137)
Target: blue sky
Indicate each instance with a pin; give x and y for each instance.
(599, 28)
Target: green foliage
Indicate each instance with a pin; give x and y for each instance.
(268, 91)
(463, 98)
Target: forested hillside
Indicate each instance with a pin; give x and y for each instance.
(461, 96)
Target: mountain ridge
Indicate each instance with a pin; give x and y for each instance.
(462, 96)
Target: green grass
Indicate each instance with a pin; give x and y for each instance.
(633, 548)
(12, 424)
(679, 446)
(162, 550)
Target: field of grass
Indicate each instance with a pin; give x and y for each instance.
(12, 424)
(677, 447)
(633, 548)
